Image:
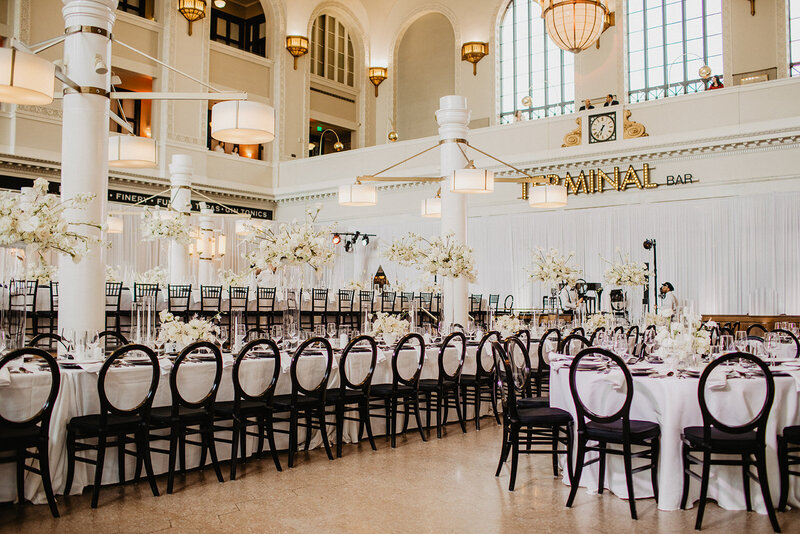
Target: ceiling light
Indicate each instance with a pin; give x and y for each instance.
(548, 196)
(219, 4)
(575, 25)
(242, 122)
(192, 10)
(358, 195)
(132, 151)
(25, 78)
(114, 225)
(432, 207)
(471, 181)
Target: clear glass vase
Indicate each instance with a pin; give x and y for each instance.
(15, 295)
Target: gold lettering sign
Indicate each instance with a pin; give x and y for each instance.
(599, 181)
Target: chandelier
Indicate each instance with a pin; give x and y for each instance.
(575, 25)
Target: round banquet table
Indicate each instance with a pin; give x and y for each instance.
(77, 396)
(672, 403)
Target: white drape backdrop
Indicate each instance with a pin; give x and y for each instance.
(725, 255)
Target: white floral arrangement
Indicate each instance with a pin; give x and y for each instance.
(293, 244)
(389, 324)
(552, 267)
(173, 330)
(113, 274)
(42, 271)
(230, 278)
(657, 319)
(680, 340)
(431, 287)
(439, 256)
(597, 320)
(626, 273)
(158, 224)
(355, 285)
(36, 217)
(507, 324)
(156, 275)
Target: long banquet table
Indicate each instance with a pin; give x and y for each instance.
(127, 385)
(672, 402)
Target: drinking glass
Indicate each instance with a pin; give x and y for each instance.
(741, 341)
(649, 340)
(319, 330)
(620, 346)
(3, 341)
(726, 343)
(714, 352)
(331, 330)
(771, 343)
(68, 337)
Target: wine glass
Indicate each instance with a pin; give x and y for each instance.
(620, 345)
(649, 341)
(3, 341)
(68, 338)
(726, 343)
(741, 341)
(277, 333)
(771, 343)
(331, 330)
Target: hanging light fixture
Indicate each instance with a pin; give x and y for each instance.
(25, 78)
(548, 196)
(192, 10)
(575, 25)
(471, 180)
(132, 151)
(432, 207)
(114, 225)
(242, 122)
(358, 194)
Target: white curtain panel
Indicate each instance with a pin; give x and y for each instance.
(733, 255)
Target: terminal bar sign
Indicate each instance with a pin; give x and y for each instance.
(598, 181)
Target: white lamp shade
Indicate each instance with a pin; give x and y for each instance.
(114, 225)
(432, 207)
(242, 122)
(358, 195)
(25, 78)
(222, 243)
(132, 151)
(472, 181)
(548, 196)
(574, 25)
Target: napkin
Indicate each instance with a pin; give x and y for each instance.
(165, 364)
(5, 377)
(381, 356)
(616, 378)
(559, 361)
(90, 367)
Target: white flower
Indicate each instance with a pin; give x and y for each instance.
(389, 324)
(507, 324)
(230, 278)
(292, 244)
(626, 273)
(157, 224)
(175, 330)
(112, 274)
(597, 320)
(156, 275)
(358, 286)
(42, 271)
(437, 256)
(553, 268)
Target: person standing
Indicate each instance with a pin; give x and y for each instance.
(670, 301)
(610, 101)
(587, 104)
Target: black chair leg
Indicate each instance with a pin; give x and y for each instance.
(578, 471)
(121, 458)
(292, 436)
(324, 431)
(340, 427)
(417, 417)
(98, 469)
(439, 414)
(173, 452)
(601, 478)
(271, 441)
(459, 413)
(761, 466)
(655, 449)
(514, 437)
(555, 451)
(208, 435)
(365, 419)
(686, 477)
(701, 507)
(44, 468)
(308, 430)
(70, 460)
(143, 452)
(783, 464)
(393, 414)
(235, 447)
(626, 448)
(746, 481)
(504, 449)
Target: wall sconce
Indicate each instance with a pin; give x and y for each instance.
(376, 76)
(473, 52)
(297, 45)
(192, 10)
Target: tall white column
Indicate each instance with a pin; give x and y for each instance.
(84, 158)
(180, 178)
(205, 271)
(453, 118)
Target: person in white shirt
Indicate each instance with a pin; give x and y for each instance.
(670, 301)
(570, 300)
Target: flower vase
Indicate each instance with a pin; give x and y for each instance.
(15, 298)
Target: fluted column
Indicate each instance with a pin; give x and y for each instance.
(180, 178)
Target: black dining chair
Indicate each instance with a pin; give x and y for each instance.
(51, 314)
(614, 429)
(179, 297)
(757, 329)
(633, 331)
(238, 299)
(746, 442)
(541, 376)
(567, 344)
(265, 307)
(182, 416)
(351, 396)
(19, 437)
(578, 330)
(596, 333)
(49, 340)
(508, 304)
(210, 301)
(250, 409)
(439, 390)
(519, 356)
(792, 339)
(307, 403)
(788, 457)
(113, 304)
(387, 301)
(114, 427)
(531, 427)
(112, 339)
(346, 315)
(402, 391)
(480, 386)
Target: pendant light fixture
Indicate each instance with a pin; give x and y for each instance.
(132, 151)
(358, 194)
(472, 180)
(575, 25)
(432, 207)
(242, 122)
(25, 78)
(548, 196)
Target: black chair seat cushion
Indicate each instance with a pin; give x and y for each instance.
(163, 415)
(284, 402)
(533, 402)
(350, 395)
(89, 424)
(385, 390)
(432, 384)
(721, 441)
(471, 380)
(246, 407)
(13, 438)
(640, 430)
(792, 434)
(543, 416)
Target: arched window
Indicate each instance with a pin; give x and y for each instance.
(532, 66)
(794, 37)
(668, 42)
(332, 54)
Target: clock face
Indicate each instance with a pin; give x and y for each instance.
(602, 128)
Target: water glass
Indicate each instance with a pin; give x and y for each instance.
(741, 341)
(726, 343)
(771, 343)
(331, 330)
(276, 333)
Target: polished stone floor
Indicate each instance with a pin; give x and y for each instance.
(445, 485)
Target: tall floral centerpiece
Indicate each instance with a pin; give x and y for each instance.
(36, 221)
(163, 224)
(552, 269)
(438, 256)
(626, 274)
(680, 342)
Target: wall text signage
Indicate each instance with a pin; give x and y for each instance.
(598, 181)
(126, 197)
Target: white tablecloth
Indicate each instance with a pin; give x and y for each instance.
(672, 403)
(78, 396)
